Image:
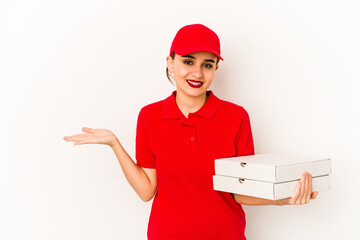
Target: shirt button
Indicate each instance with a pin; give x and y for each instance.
(192, 138)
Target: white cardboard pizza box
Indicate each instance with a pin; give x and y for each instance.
(270, 167)
(267, 190)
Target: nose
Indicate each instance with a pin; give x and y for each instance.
(198, 71)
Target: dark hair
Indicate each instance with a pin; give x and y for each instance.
(172, 55)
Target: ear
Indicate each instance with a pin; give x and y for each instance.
(170, 63)
(217, 66)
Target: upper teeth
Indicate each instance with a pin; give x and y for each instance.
(195, 83)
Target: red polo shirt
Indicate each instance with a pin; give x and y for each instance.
(183, 151)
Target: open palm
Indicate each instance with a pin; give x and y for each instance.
(92, 136)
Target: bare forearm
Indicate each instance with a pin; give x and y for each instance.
(254, 201)
(135, 175)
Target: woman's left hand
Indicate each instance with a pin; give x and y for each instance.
(303, 192)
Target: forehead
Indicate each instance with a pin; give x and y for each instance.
(201, 55)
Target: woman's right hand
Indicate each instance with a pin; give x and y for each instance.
(93, 136)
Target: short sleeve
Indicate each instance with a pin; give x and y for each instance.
(244, 141)
(143, 153)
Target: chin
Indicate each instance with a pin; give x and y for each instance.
(197, 93)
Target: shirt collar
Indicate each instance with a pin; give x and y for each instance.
(172, 111)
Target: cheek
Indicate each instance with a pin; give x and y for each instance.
(182, 72)
(210, 75)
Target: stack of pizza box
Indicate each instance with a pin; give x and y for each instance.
(270, 176)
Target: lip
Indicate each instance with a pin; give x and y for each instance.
(194, 86)
(194, 80)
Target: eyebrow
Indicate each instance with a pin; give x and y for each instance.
(189, 56)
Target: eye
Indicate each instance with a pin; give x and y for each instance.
(187, 62)
(208, 65)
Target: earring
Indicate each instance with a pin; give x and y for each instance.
(172, 74)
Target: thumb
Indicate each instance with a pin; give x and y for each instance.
(87, 130)
(314, 195)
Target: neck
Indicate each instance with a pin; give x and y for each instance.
(188, 104)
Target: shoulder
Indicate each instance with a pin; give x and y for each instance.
(152, 109)
(236, 111)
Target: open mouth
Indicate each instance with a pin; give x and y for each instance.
(194, 84)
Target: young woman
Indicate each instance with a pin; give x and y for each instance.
(177, 141)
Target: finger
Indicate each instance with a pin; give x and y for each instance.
(306, 188)
(314, 195)
(301, 193)
(67, 137)
(308, 196)
(87, 141)
(296, 193)
(87, 130)
(75, 138)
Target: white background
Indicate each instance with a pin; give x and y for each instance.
(293, 65)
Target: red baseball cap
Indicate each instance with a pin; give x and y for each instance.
(195, 38)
